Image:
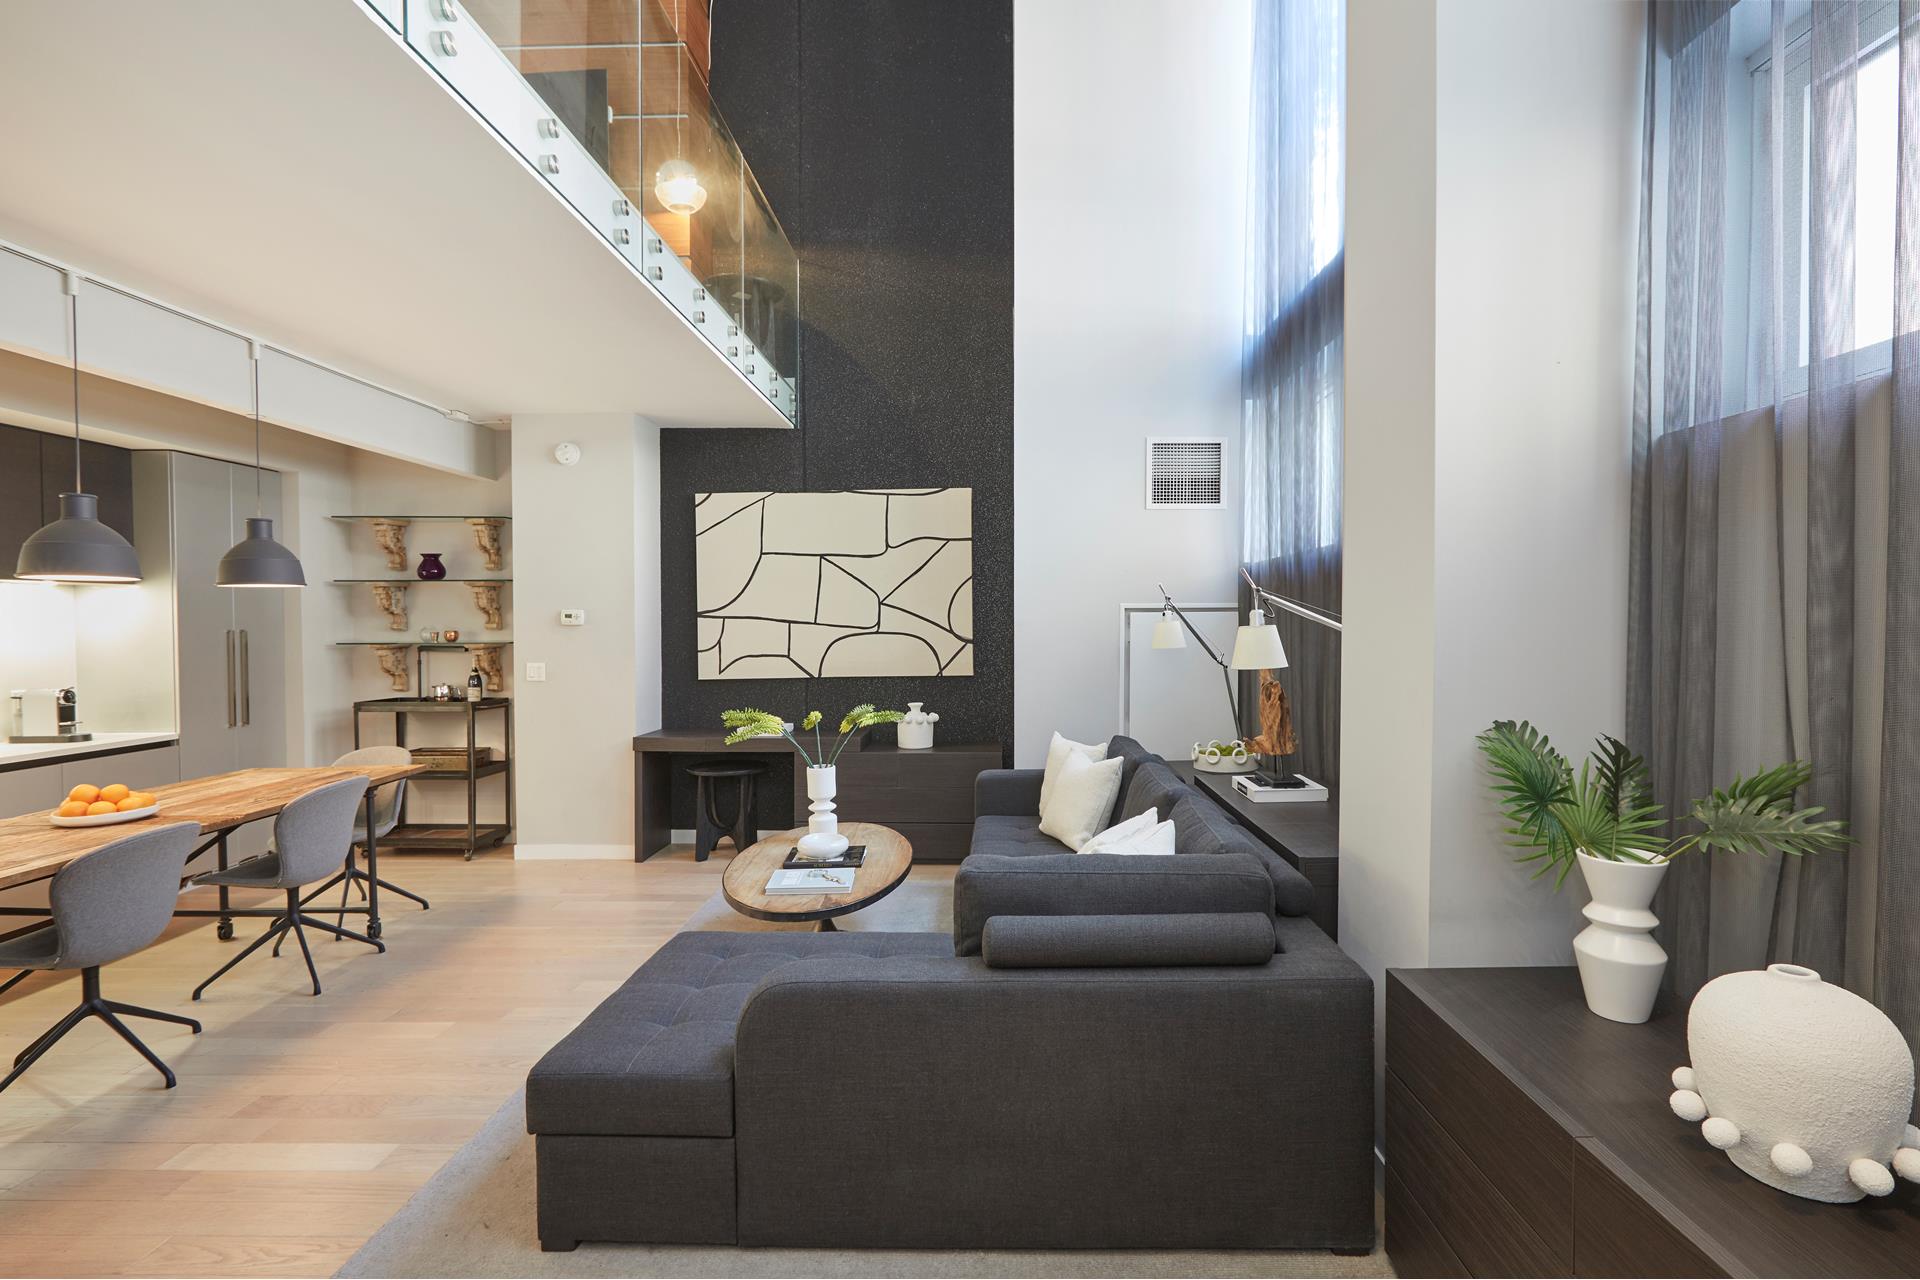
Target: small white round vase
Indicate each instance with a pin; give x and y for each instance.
(1620, 963)
(823, 838)
(1803, 1084)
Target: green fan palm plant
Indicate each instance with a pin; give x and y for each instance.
(750, 722)
(1606, 811)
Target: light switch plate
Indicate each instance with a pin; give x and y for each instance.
(536, 671)
(573, 617)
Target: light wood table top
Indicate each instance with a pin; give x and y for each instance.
(31, 848)
(889, 858)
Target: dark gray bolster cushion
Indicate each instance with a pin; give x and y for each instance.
(1102, 884)
(1012, 793)
(1078, 942)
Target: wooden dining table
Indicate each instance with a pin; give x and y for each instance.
(32, 848)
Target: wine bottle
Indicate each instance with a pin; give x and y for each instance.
(476, 688)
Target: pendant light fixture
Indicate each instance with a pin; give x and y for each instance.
(77, 547)
(257, 560)
(677, 184)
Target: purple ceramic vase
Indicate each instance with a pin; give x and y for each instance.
(431, 570)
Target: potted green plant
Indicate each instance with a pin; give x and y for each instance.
(1604, 820)
(823, 838)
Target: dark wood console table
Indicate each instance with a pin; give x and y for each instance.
(1306, 835)
(1526, 1136)
(927, 796)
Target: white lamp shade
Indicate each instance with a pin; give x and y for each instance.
(1257, 647)
(1168, 633)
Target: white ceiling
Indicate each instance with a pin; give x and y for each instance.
(290, 171)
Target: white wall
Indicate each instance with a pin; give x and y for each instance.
(1491, 204)
(586, 537)
(1128, 216)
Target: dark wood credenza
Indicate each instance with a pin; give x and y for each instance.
(1527, 1136)
(927, 796)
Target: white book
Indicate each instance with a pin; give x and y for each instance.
(820, 880)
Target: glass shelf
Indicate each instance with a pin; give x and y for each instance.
(417, 519)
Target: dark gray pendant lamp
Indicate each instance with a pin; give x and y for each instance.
(257, 560)
(77, 547)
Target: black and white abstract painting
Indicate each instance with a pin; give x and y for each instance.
(862, 582)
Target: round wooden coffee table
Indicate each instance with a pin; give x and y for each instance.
(889, 858)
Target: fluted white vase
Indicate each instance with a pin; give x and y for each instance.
(1620, 963)
(823, 838)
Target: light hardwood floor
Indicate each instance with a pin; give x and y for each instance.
(301, 1124)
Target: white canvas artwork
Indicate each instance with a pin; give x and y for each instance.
(865, 582)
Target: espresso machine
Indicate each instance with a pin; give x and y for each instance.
(46, 715)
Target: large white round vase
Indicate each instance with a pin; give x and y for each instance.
(1803, 1084)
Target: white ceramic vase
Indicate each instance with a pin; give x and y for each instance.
(823, 838)
(1803, 1084)
(915, 733)
(1620, 963)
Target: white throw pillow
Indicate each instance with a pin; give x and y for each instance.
(1083, 796)
(1156, 840)
(1057, 753)
(1121, 832)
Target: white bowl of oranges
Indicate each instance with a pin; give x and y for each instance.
(90, 806)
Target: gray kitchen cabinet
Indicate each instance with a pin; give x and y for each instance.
(142, 770)
(31, 789)
(232, 644)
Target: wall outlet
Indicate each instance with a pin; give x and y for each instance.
(573, 617)
(536, 671)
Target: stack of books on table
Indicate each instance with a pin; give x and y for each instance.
(813, 880)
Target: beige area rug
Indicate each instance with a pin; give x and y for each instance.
(475, 1218)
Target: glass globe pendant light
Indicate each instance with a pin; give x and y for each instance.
(677, 184)
(77, 547)
(257, 560)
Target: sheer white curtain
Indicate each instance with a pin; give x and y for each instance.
(1775, 608)
(1291, 371)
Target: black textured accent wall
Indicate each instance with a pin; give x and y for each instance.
(882, 134)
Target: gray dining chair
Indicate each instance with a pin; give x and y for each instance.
(386, 816)
(309, 838)
(106, 905)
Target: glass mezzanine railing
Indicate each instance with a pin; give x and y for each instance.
(608, 100)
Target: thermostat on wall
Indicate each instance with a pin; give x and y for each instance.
(573, 617)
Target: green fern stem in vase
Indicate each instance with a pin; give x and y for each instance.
(750, 722)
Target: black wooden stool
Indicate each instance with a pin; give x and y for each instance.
(707, 826)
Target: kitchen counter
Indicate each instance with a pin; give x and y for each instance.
(24, 755)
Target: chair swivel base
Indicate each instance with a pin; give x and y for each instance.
(93, 1005)
(292, 922)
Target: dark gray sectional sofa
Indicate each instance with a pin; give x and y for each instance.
(1109, 1052)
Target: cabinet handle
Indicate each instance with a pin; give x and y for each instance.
(246, 682)
(233, 714)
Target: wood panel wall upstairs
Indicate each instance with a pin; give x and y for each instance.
(882, 133)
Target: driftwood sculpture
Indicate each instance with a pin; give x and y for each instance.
(1276, 736)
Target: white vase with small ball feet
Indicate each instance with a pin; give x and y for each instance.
(823, 838)
(1620, 963)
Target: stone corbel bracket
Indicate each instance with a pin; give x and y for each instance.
(486, 598)
(393, 662)
(391, 537)
(392, 601)
(486, 536)
(487, 658)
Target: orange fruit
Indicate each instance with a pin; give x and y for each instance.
(115, 792)
(144, 797)
(85, 793)
(73, 809)
(99, 807)
(130, 804)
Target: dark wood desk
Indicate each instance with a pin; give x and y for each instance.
(1526, 1136)
(1305, 834)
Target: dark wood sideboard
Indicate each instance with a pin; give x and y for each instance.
(1527, 1136)
(927, 796)
(1305, 834)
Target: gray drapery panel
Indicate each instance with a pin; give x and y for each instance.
(1774, 520)
(1292, 364)
(1897, 931)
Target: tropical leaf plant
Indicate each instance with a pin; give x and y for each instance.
(1607, 810)
(751, 722)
